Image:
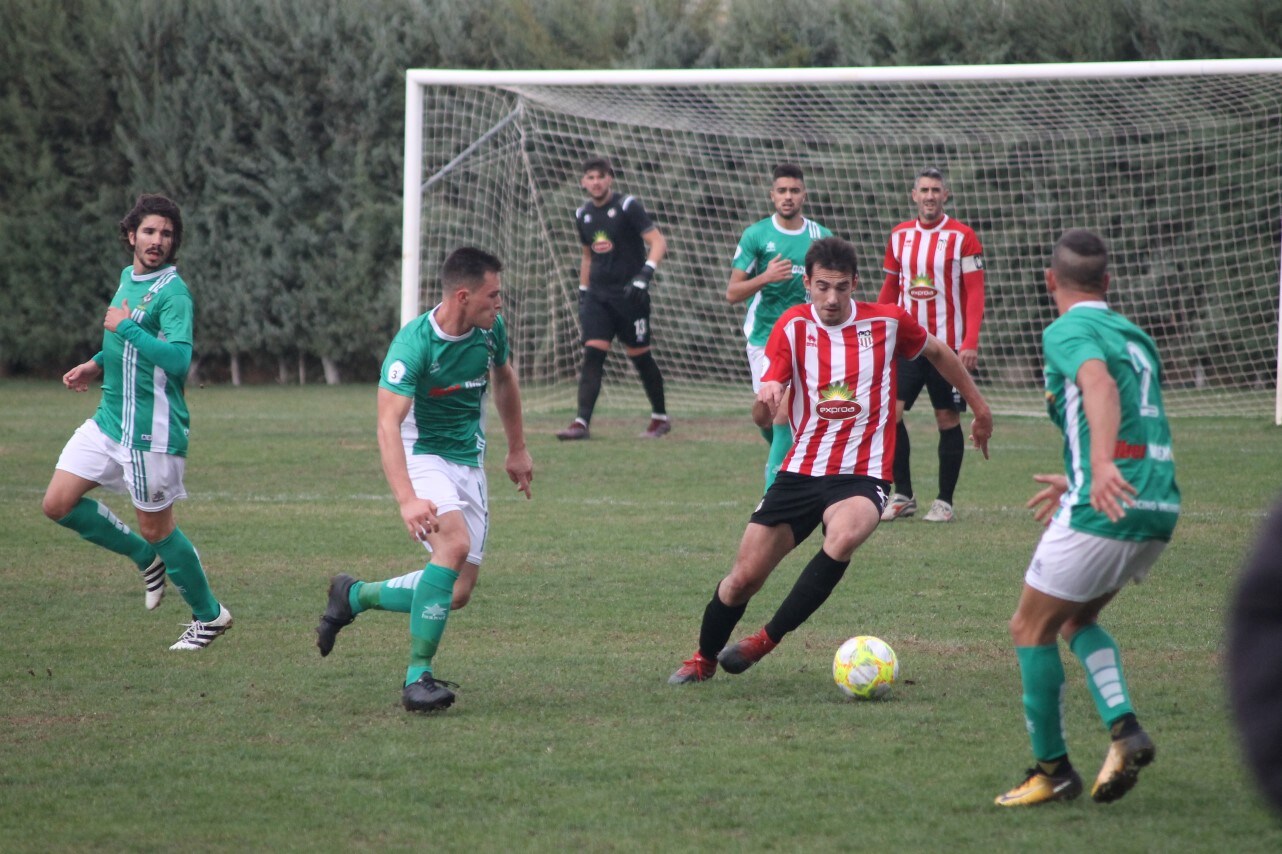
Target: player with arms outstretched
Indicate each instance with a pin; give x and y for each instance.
(432, 397)
(768, 272)
(837, 355)
(935, 271)
(1109, 518)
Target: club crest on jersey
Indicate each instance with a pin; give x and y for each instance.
(922, 288)
(601, 243)
(865, 339)
(835, 403)
(612, 213)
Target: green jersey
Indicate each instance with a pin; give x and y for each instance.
(142, 405)
(448, 377)
(761, 242)
(1090, 330)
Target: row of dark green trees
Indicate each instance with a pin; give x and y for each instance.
(277, 124)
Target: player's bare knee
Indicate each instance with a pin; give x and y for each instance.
(738, 589)
(55, 507)
(461, 598)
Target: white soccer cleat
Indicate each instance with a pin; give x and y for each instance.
(940, 511)
(154, 577)
(200, 634)
(899, 505)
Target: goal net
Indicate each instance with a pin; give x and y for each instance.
(1177, 165)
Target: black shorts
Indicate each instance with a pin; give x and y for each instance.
(609, 314)
(799, 500)
(919, 372)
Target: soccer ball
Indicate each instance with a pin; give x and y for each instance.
(865, 667)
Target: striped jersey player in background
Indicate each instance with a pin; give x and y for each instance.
(136, 443)
(838, 356)
(935, 270)
(768, 272)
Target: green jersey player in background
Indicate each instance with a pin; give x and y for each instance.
(136, 442)
(431, 435)
(767, 272)
(1109, 518)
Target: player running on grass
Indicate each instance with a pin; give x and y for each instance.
(1117, 507)
(137, 440)
(768, 271)
(431, 436)
(838, 357)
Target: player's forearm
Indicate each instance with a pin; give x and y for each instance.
(950, 367)
(507, 400)
(1103, 409)
(391, 452)
(889, 290)
(972, 307)
(742, 288)
(656, 247)
(172, 358)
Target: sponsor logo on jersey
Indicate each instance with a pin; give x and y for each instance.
(434, 368)
(396, 372)
(922, 288)
(601, 243)
(835, 403)
(865, 339)
(811, 340)
(770, 246)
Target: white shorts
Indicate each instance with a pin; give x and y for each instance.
(1079, 567)
(153, 481)
(756, 364)
(451, 486)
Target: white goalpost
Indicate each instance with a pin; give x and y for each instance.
(1177, 164)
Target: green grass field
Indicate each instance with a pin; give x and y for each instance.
(565, 735)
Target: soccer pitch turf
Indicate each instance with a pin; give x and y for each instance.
(565, 734)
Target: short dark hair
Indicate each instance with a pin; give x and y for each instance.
(787, 170)
(1080, 260)
(832, 253)
(930, 172)
(598, 164)
(152, 204)
(466, 267)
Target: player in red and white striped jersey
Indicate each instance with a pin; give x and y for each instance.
(935, 271)
(838, 356)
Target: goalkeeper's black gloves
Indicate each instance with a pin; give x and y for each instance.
(639, 290)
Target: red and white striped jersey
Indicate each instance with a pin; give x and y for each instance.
(843, 386)
(929, 264)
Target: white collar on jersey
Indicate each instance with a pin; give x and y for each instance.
(774, 220)
(854, 310)
(1091, 303)
(936, 227)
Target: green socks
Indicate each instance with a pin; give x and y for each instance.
(394, 594)
(430, 608)
(1042, 675)
(93, 521)
(780, 443)
(1099, 654)
(182, 565)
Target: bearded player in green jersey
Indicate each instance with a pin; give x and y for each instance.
(431, 435)
(1117, 508)
(767, 272)
(136, 442)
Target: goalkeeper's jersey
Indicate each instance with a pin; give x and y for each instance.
(1090, 330)
(448, 378)
(760, 244)
(142, 405)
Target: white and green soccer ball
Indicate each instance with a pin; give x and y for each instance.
(865, 667)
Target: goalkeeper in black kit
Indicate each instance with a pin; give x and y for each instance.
(621, 250)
